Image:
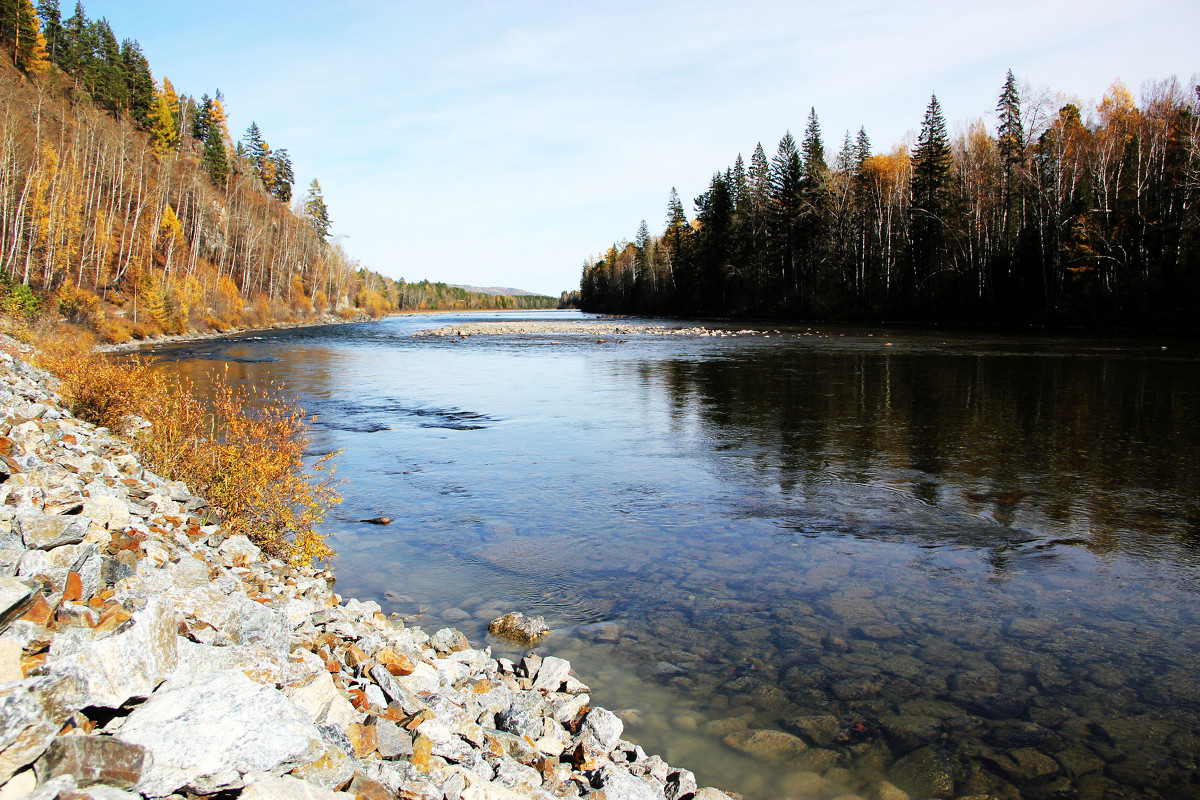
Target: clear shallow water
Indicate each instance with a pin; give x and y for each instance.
(961, 563)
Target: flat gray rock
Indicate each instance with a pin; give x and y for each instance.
(15, 597)
(44, 531)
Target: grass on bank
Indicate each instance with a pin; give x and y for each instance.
(244, 454)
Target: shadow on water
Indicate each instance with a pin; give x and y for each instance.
(965, 568)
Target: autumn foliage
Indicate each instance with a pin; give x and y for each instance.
(243, 450)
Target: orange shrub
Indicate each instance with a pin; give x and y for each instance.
(244, 454)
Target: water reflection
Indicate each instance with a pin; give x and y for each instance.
(969, 566)
(1098, 450)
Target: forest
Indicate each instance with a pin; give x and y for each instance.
(1066, 214)
(129, 207)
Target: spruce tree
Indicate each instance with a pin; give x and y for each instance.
(862, 144)
(1011, 133)
(255, 146)
(214, 158)
(316, 210)
(1010, 141)
(815, 205)
(284, 176)
(200, 120)
(787, 173)
(931, 161)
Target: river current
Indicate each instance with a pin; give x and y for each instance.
(948, 563)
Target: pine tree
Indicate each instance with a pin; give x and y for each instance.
(139, 84)
(20, 27)
(316, 210)
(69, 56)
(52, 28)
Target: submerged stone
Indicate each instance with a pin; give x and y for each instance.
(518, 627)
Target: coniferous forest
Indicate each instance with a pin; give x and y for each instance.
(1064, 215)
(129, 207)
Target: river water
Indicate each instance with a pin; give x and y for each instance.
(957, 563)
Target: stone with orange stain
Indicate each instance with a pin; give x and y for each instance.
(362, 739)
(40, 613)
(358, 698)
(396, 663)
(422, 752)
(112, 617)
(363, 788)
(355, 655)
(73, 592)
(31, 663)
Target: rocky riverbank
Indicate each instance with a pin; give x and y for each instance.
(528, 327)
(200, 336)
(146, 653)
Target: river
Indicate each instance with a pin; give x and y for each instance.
(959, 563)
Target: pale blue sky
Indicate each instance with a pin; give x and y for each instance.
(501, 143)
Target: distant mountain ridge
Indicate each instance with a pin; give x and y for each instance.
(497, 290)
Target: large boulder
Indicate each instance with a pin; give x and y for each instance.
(32, 712)
(127, 665)
(206, 732)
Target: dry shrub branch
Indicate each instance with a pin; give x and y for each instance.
(244, 452)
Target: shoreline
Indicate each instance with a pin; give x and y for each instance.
(326, 320)
(146, 652)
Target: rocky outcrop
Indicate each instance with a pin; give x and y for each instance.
(144, 652)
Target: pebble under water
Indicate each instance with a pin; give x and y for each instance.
(803, 562)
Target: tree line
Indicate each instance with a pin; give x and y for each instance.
(130, 207)
(1065, 214)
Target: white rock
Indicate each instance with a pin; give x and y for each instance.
(602, 728)
(129, 664)
(323, 703)
(264, 786)
(239, 545)
(552, 673)
(107, 511)
(206, 732)
(261, 666)
(19, 786)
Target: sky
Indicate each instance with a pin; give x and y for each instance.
(502, 143)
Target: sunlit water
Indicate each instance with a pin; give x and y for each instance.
(962, 564)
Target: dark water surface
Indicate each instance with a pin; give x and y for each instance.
(963, 564)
